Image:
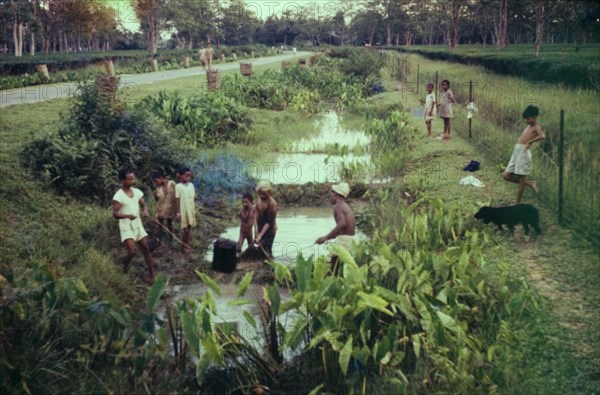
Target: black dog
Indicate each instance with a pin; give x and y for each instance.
(524, 214)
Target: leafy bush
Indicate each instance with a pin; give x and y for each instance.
(54, 333)
(98, 138)
(202, 120)
(299, 88)
(412, 310)
(362, 64)
(390, 138)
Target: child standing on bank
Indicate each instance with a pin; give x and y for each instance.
(446, 107)
(430, 109)
(247, 218)
(185, 194)
(126, 205)
(165, 199)
(520, 164)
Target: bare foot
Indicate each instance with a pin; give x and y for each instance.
(533, 186)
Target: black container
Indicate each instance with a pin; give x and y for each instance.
(224, 259)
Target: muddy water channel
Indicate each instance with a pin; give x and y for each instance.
(297, 230)
(329, 156)
(333, 154)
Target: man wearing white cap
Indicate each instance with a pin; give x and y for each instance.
(266, 218)
(345, 224)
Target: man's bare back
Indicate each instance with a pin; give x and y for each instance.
(342, 213)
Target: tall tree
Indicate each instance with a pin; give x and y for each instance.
(456, 10)
(500, 21)
(238, 23)
(155, 17)
(18, 14)
(390, 15)
(367, 27)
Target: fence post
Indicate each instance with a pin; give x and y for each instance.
(561, 143)
(470, 101)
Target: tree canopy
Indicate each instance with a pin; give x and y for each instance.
(67, 26)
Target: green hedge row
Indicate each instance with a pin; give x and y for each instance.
(9, 65)
(569, 67)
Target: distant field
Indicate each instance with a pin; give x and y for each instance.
(556, 63)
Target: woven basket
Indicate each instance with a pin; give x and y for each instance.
(302, 62)
(246, 69)
(213, 80)
(108, 86)
(43, 70)
(285, 64)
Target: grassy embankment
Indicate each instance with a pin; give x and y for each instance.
(561, 342)
(498, 124)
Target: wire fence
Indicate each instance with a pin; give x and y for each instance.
(566, 164)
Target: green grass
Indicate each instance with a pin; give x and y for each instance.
(498, 124)
(561, 341)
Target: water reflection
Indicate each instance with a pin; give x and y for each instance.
(332, 135)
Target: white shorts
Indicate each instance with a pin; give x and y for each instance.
(136, 234)
(520, 161)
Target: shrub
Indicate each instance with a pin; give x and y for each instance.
(390, 138)
(362, 64)
(202, 120)
(98, 138)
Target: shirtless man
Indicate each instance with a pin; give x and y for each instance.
(266, 218)
(247, 222)
(344, 218)
(520, 164)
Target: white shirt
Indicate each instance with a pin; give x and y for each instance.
(129, 206)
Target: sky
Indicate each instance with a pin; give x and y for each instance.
(262, 8)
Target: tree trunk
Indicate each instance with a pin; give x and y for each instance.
(32, 48)
(21, 38)
(539, 26)
(15, 39)
(389, 34)
(454, 32)
(500, 24)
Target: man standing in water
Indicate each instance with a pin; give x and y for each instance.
(126, 206)
(266, 216)
(345, 225)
